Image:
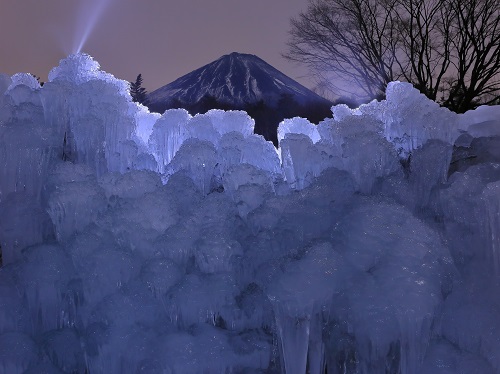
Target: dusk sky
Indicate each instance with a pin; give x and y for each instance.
(161, 39)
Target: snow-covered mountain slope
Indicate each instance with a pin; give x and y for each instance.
(236, 79)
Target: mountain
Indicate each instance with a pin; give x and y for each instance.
(236, 80)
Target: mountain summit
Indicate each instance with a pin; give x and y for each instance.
(235, 79)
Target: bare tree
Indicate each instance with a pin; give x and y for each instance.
(449, 49)
(424, 52)
(476, 49)
(354, 40)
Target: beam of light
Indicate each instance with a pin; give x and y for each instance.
(89, 18)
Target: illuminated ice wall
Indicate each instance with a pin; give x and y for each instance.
(140, 243)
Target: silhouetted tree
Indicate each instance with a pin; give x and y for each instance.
(361, 45)
(176, 104)
(206, 103)
(315, 112)
(138, 92)
(160, 107)
(351, 102)
(266, 119)
(287, 106)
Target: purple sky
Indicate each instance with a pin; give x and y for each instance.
(162, 39)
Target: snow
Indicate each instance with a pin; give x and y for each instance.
(235, 78)
(134, 242)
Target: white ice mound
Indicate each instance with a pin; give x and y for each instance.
(410, 119)
(78, 68)
(298, 125)
(24, 79)
(482, 122)
(133, 242)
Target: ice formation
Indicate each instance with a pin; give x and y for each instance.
(140, 243)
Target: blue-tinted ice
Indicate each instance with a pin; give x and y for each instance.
(140, 243)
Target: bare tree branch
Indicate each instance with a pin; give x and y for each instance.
(444, 47)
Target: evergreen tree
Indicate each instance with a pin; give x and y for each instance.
(266, 120)
(138, 92)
